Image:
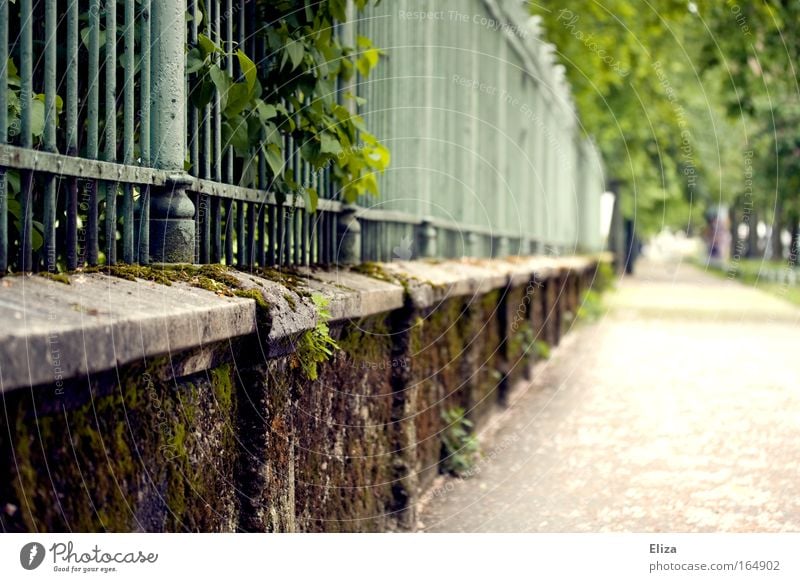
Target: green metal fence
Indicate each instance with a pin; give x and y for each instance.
(101, 159)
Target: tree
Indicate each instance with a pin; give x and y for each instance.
(756, 47)
(659, 125)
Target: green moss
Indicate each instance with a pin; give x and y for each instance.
(254, 294)
(263, 316)
(136, 444)
(289, 278)
(377, 271)
(291, 301)
(374, 271)
(367, 340)
(58, 277)
(215, 278)
(222, 383)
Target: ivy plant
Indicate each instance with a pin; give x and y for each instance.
(292, 91)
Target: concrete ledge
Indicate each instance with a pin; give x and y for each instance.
(56, 331)
(53, 331)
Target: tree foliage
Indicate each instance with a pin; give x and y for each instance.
(639, 90)
(754, 47)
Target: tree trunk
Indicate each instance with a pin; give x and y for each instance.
(795, 222)
(752, 237)
(735, 218)
(775, 235)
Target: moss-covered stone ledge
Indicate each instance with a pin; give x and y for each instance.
(196, 423)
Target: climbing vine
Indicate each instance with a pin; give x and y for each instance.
(292, 91)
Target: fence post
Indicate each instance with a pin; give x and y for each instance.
(427, 239)
(501, 247)
(348, 236)
(171, 212)
(471, 244)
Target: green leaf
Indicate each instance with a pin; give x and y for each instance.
(311, 199)
(329, 144)
(296, 51)
(85, 37)
(207, 45)
(238, 98)
(346, 69)
(367, 61)
(378, 157)
(13, 182)
(37, 117)
(194, 60)
(222, 82)
(202, 92)
(274, 156)
(266, 111)
(12, 71)
(234, 132)
(248, 70)
(37, 240)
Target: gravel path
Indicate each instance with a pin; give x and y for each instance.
(678, 411)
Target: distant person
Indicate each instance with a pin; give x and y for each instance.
(633, 247)
(717, 235)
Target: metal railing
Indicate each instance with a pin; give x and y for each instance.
(487, 157)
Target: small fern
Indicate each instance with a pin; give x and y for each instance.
(542, 349)
(316, 345)
(459, 444)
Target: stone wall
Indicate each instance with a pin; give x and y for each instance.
(232, 435)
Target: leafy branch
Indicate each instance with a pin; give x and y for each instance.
(292, 93)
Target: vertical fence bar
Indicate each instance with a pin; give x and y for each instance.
(217, 115)
(229, 229)
(241, 246)
(280, 220)
(3, 136)
(111, 130)
(127, 202)
(26, 141)
(228, 46)
(300, 232)
(92, 130)
(210, 208)
(144, 129)
(49, 222)
(288, 235)
(273, 234)
(251, 257)
(72, 132)
(194, 147)
(262, 234)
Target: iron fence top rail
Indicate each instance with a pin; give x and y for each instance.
(83, 168)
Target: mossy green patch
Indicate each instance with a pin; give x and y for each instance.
(377, 271)
(215, 278)
(289, 278)
(291, 301)
(141, 456)
(58, 277)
